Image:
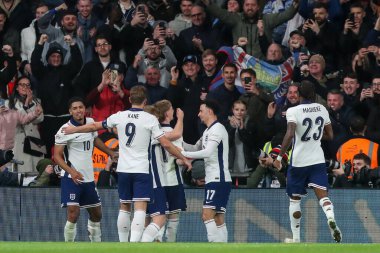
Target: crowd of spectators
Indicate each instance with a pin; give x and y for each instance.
(52, 50)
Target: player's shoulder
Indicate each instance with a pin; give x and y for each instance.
(60, 137)
(89, 120)
(217, 128)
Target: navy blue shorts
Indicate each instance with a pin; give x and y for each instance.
(299, 178)
(216, 196)
(84, 195)
(134, 187)
(175, 196)
(159, 206)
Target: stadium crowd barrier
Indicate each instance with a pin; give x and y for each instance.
(253, 215)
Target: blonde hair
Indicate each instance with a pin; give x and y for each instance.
(162, 107)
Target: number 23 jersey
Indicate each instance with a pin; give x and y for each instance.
(310, 120)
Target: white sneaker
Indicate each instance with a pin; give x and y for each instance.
(334, 230)
(291, 240)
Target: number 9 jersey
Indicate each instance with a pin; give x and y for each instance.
(310, 120)
(135, 129)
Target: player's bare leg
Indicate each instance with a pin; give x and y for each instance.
(124, 222)
(138, 221)
(70, 229)
(328, 209)
(93, 225)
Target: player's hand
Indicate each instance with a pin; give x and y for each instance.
(277, 164)
(68, 130)
(77, 177)
(179, 114)
(115, 156)
(187, 163)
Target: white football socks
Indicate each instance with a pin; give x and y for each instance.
(95, 234)
(328, 208)
(171, 230)
(150, 232)
(295, 224)
(223, 232)
(123, 225)
(137, 226)
(70, 231)
(212, 231)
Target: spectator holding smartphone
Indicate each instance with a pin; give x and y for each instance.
(257, 102)
(133, 34)
(321, 36)
(353, 34)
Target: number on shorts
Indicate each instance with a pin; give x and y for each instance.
(210, 194)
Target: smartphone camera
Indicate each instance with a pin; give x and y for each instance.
(141, 9)
(156, 41)
(114, 75)
(247, 80)
(351, 17)
(161, 24)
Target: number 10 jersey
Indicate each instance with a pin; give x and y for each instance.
(310, 120)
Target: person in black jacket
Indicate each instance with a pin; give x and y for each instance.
(91, 74)
(55, 87)
(133, 35)
(322, 36)
(185, 93)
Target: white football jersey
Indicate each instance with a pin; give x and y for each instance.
(310, 121)
(135, 129)
(217, 163)
(173, 175)
(79, 147)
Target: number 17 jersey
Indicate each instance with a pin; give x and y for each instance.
(135, 129)
(310, 120)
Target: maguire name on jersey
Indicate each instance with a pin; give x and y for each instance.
(310, 120)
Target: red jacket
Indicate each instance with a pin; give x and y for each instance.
(106, 103)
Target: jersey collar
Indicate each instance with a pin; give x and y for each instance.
(306, 102)
(135, 109)
(76, 123)
(216, 121)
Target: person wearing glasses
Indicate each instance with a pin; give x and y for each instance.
(23, 101)
(91, 74)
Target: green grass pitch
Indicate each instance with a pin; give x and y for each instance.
(109, 247)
